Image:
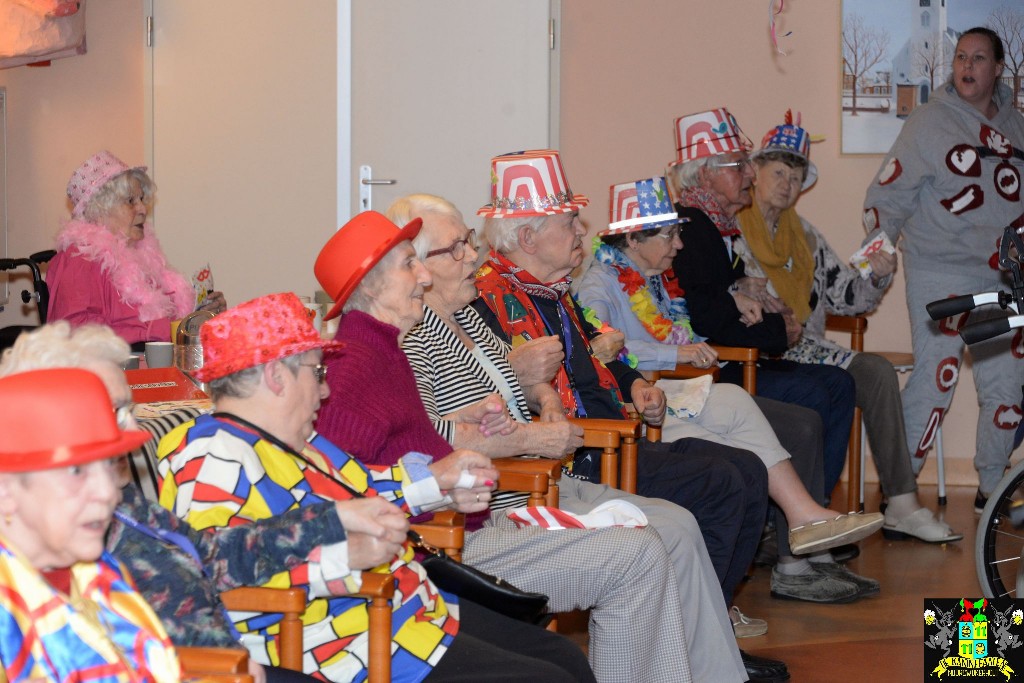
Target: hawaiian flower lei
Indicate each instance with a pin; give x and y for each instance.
(676, 331)
(601, 326)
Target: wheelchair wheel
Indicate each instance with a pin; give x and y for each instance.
(999, 547)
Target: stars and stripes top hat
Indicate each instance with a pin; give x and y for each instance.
(640, 205)
(708, 134)
(530, 183)
(790, 137)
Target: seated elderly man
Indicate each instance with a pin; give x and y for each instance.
(647, 623)
(251, 460)
(536, 236)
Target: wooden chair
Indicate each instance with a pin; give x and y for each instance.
(855, 326)
(221, 664)
(617, 440)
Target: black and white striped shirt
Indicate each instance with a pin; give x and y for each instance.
(449, 376)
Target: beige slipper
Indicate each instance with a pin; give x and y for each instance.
(828, 533)
(744, 626)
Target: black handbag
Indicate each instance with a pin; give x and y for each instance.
(476, 586)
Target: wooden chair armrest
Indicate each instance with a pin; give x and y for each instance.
(262, 599)
(738, 354)
(376, 585)
(855, 325)
(625, 428)
(534, 475)
(211, 660)
(846, 323)
(446, 530)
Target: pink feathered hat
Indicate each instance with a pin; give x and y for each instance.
(268, 328)
(93, 174)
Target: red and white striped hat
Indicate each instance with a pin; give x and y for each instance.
(530, 183)
(708, 134)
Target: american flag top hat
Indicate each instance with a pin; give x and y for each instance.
(640, 205)
(790, 137)
(708, 134)
(530, 183)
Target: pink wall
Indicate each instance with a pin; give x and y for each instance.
(58, 115)
(628, 69)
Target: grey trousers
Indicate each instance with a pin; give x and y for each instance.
(938, 355)
(656, 608)
(878, 396)
(801, 433)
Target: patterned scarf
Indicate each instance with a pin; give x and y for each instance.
(785, 258)
(699, 198)
(506, 289)
(667, 319)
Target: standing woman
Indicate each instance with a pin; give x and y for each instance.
(68, 610)
(950, 184)
(110, 268)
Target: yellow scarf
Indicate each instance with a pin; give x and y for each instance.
(786, 259)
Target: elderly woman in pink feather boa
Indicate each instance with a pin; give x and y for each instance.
(109, 266)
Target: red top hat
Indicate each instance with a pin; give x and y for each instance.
(354, 250)
(257, 332)
(57, 418)
(530, 184)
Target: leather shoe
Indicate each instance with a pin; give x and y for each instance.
(764, 670)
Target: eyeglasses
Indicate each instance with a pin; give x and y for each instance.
(123, 415)
(319, 371)
(457, 249)
(669, 233)
(740, 165)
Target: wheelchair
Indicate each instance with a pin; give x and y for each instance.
(999, 546)
(40, 293)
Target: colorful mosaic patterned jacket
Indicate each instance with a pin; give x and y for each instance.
(106, 633)
(186, 599)
(216, 472)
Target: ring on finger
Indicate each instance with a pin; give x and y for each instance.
(478, 497)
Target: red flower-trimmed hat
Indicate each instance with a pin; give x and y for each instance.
(93, 174)
(57, 418)
(354, 250)
(268, 328)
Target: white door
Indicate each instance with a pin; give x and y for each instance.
(244, 139)
(248, 119)
(440, 87)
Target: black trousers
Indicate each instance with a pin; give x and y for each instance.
(492, 647)
(725, 488)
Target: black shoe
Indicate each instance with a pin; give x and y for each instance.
(764, 670)
(767, 550)
(979, 502)
(845, 553)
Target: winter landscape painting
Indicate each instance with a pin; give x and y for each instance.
(897, 52)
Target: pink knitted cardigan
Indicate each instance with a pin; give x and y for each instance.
(139, 272)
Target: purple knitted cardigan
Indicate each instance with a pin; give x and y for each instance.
(374, 411)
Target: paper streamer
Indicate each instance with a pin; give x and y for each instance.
(771, 24)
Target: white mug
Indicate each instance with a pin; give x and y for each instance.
(159, 354)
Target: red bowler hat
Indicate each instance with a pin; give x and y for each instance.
(59, 417)
(268, 328)
(354, 250)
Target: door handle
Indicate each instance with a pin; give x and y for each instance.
(366, 183)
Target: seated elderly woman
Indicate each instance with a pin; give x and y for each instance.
(251, 461)
(68, 608)
(790, 263)
(623, 575)
(109, 267)
(624, 288)
(709, 181)
(165, 566)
